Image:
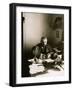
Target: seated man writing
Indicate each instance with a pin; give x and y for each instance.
(41, 50)
(44, 57)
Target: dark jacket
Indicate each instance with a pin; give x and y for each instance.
(41, 49)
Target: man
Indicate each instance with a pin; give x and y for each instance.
(45, 55)
(41, 50)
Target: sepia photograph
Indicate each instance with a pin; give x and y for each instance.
(43, 44)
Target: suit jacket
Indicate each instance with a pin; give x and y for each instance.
(41, 49)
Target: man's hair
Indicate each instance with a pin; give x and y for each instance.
(43, 39)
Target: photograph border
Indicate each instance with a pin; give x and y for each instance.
(12, 41)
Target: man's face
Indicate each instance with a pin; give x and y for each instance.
(45, 41)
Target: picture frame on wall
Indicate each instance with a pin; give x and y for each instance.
(40, 44)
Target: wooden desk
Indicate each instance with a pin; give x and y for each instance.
(38, 68)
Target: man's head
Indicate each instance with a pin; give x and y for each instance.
(44, 40)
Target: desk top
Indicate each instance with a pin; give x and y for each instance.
(39, 67)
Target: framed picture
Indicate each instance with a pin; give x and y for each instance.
(40, 44)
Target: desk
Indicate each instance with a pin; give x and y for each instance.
(39, 69)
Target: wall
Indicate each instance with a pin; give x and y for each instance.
(34, 27)
(37, 25)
